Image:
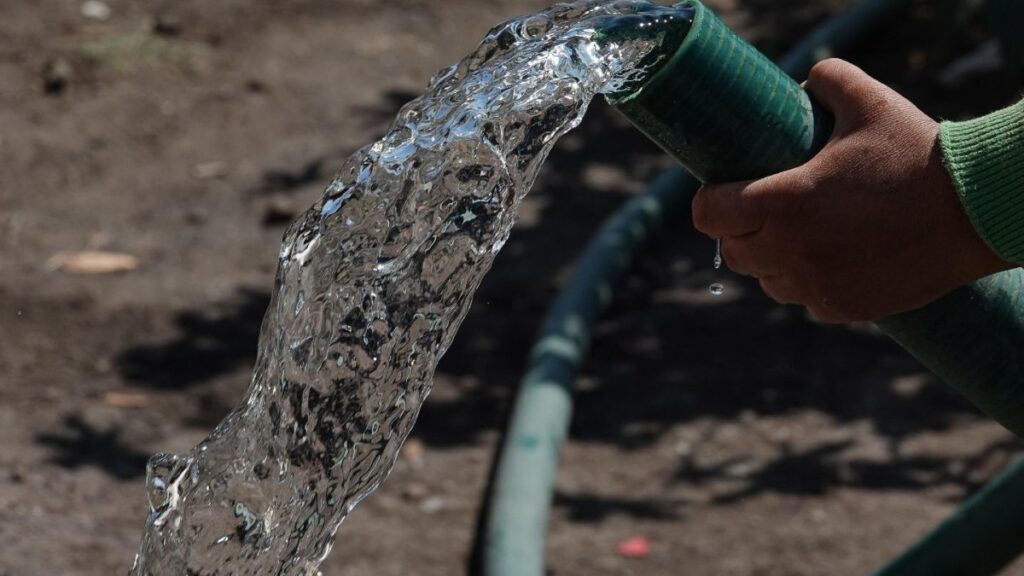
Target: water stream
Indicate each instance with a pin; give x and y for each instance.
(372, 283)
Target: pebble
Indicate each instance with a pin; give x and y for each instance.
(279, 210)
(255, 85)
(56, 75)
(167, 24)
(19, 473)
(196, 216)
(413, 451)
(414, 492)
(95, 10)
(210, 170)
(432, 505)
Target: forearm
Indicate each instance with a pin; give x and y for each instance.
(985, 158)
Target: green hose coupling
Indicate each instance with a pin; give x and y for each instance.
(722, 108)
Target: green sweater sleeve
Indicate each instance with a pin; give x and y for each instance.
(985, 157)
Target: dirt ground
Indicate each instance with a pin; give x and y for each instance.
(739, 437)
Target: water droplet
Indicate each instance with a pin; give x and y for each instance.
(718, 253)
(716, 289)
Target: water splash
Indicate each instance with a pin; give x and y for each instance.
(372, 283)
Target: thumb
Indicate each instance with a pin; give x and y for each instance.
(844, 90)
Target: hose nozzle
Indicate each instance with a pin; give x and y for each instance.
(717, 104)
(666, 25)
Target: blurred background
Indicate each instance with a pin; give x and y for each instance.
(151, 153)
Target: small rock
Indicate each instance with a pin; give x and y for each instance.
(167, 24)
(413, 451)
(956, 468)
(99, 240)
(196, 217)
(89, 262)
(414, 492)
(740, 470)
(226, 92)
(210, 170)
(255, 85)
(56, 75)
(432, 505)
(683, 449)
(103, 365)
(279, 210)
(635, 547)
(19, 473)
(285, 179)
(168, 108)
(95, 10)
(125, 399)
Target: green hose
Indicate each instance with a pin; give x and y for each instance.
(520, 498)
(979, 539)
(523, 487)
(973, 339)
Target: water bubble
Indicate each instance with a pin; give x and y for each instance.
(536, 25)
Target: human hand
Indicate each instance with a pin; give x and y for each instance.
(870, 227)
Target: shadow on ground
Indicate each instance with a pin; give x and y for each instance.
(79, 445)
(209, 343)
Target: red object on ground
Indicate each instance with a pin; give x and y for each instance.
(635, 547)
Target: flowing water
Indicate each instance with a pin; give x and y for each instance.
(372, 283)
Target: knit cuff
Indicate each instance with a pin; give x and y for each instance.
(985, 157)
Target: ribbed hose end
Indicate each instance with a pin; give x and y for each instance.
(723, 109)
